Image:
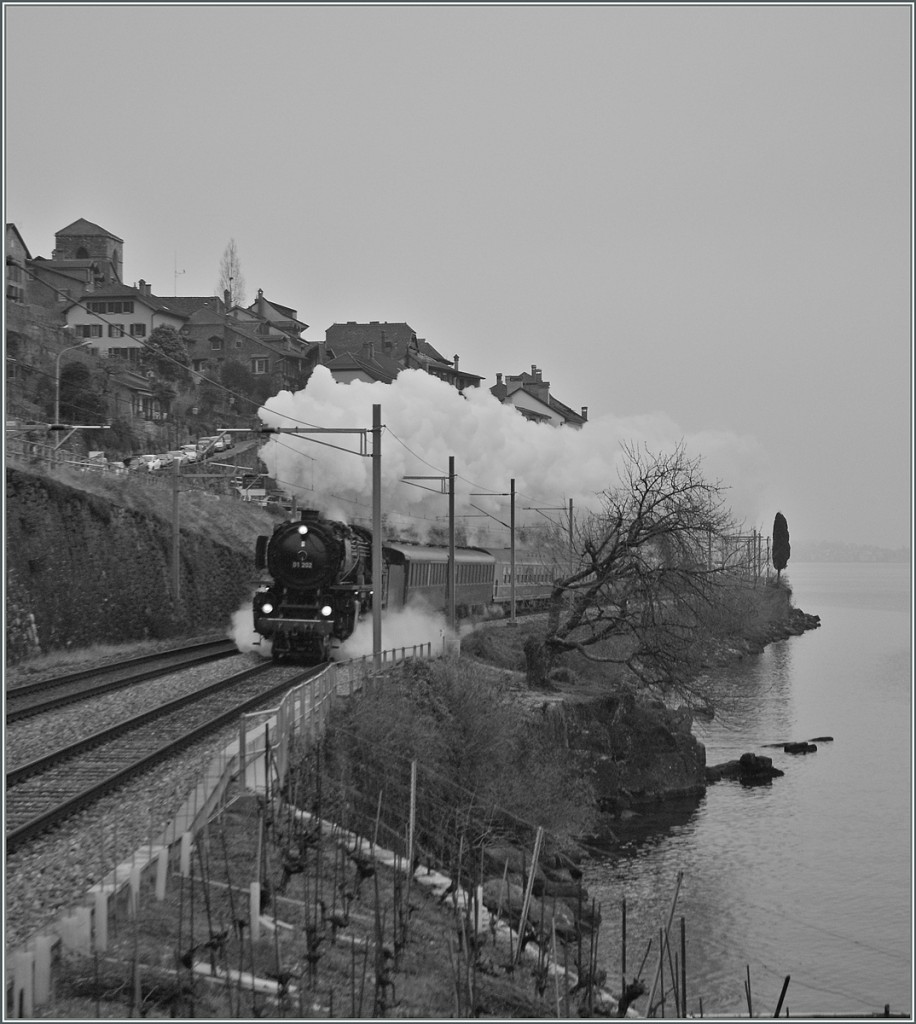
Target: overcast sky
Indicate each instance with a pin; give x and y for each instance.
(701, 213)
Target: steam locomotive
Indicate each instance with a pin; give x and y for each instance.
(321, 583)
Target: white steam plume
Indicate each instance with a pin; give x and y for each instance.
(241, 633)
(427, 421)
(405, 627)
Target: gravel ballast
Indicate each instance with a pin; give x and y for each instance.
(50, 876)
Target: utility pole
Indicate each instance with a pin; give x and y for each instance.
(176, 537)
(511, 528)
(512, 552)
(377, 535)
(451, 542)
(572, 545)
(449, 482)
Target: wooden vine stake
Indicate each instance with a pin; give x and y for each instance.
(658, 970)
(528, 890)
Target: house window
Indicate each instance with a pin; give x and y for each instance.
(216, 344)
(132, 355)
(89, 330)
(97, 306)
(138, 330)
(238, 342)
(198, 365)
(259, 366)
(115, 331)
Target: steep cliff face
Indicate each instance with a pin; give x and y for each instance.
(81, 570)
(634, 752)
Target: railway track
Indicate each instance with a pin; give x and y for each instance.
(36, 698)
(44, 792)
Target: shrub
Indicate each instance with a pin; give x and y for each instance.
(477, 755)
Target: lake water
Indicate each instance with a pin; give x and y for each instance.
(810, 876)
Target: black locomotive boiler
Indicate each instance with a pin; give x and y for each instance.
(321, 575)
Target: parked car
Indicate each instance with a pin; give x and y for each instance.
(191, 451)
(178, 456)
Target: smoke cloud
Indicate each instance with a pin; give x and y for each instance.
(402, 628)
(426, 420)
(241, 633)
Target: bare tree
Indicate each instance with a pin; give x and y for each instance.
(230, 275)
(643, 577)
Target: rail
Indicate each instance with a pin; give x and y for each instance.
(264, 737)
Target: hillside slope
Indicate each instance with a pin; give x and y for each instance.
(89, 560)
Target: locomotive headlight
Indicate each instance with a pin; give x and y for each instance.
(267, 608)
(326, 610)
(303, 529)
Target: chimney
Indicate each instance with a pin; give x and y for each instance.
(499, 379)
(141, 287)
(534, 371)
(456, 360)
(537, 374)
(585, 412)
(227, 298)
(261, 303)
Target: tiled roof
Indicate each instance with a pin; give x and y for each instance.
(564, 410)
(205, 318)
(189, 304)
(40, 267)
(66, 264)
(283, 313)
(378, 368)
(12, 227)
(86, 227)
(522, 382)
(124, 291)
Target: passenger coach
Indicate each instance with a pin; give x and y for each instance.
(416, 572)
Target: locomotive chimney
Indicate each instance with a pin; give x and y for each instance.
(309, 515)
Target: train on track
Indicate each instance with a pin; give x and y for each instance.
(321, 583)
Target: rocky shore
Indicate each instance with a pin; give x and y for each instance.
(638, 753)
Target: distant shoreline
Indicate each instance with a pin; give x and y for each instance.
(840, 556)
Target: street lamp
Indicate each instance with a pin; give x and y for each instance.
(79, 344)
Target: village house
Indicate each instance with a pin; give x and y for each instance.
(378, 351)
(263, 337)
(118, 318)
(530, 394)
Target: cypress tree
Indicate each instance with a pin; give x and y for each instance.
(781, 548)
